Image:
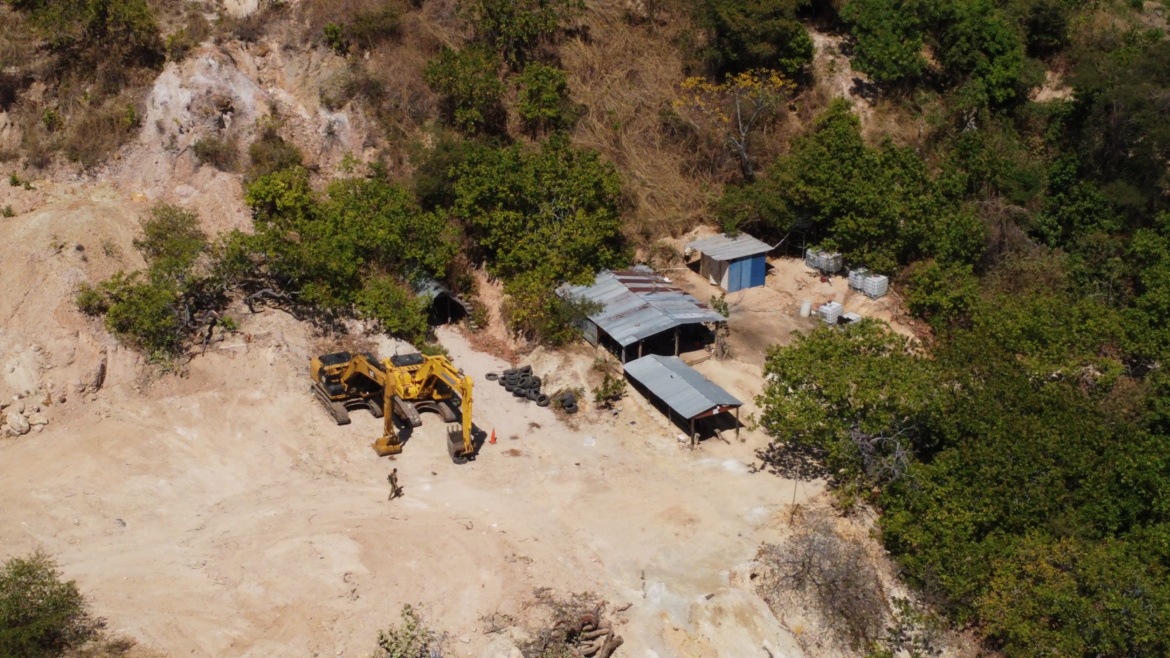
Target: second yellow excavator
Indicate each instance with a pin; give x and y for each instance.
(402, 385)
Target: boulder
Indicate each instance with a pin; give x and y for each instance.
(17, 422)
(37, 419)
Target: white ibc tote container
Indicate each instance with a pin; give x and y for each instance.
(830, 312)
(857, 277)
(875, 285)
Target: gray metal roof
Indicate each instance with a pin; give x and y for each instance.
(680, 386)
(430, 289)
(640, 303)
(724, 247)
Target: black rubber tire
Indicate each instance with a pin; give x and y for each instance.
(542, 400)
(536, 381)
(525, 382)
(532, 395)
(509, 372)
(520, 392)
(570, 409)
(492, 376)
(525, 370)
(508, 387)
(568, 400)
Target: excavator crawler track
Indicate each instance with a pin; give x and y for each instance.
(336, 409)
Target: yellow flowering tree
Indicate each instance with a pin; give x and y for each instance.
(736, 108)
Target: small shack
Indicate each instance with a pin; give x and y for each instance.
(444, 306)
(642, 310)
(732, 263)
(680, 391)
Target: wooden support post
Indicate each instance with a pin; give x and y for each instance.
(694, 437)
(676, 333)
(623, 354)
(737, 422)
(639, 349)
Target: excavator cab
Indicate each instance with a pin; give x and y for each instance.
(401, 386)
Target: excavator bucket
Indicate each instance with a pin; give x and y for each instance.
(384, 448)
(455, 445)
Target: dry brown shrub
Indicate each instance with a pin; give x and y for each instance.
(626, 77)
(829, 573)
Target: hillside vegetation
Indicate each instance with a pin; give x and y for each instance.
(1004, 161)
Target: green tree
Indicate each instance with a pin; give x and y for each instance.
(515, 28)
(40, 615)
(89, 31)
(157, 310)
(351, 252)
(471, 88)
(941, 294)
(889, 39)
(540, 218)
(1073, 597)
(859, 397)
(879, 206)
(543, 100)
(756, 34)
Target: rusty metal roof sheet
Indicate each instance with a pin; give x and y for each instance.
(684, 389)
(639, 303)
(724, 247)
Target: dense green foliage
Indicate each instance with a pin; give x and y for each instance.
(355, 248)
(158, 309)
(879, 206)
(1021, 458)
(543, 98)
(978, 48)
(471, 88)
(755, 34)
(540, 218)
(93, 30)
(516, 28)
(41, 616)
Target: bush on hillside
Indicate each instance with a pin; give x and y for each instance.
(755, 34)
(470, 85)
(41, 616)
(543, 100)
(515, 29)
(219, 152)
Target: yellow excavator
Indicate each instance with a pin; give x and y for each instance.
(402, 385)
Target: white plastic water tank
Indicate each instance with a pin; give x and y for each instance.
(831, 263)
(806, 308)
(856, 277)
(875, 285)
(830, 312)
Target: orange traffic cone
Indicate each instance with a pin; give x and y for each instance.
(493, 439)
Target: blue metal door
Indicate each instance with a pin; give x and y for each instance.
(759, 265)
(735, 275)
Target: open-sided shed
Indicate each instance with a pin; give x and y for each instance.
(732, 263)
(639, 305)
(684, 392)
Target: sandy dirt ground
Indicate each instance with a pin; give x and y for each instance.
(222, 513)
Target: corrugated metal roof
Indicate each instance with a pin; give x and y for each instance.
(640, 303)
(680, 386)
(428, 288)
(724, 247)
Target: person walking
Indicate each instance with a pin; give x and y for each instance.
(395, 490)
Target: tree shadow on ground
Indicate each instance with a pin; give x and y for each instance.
(795, 461)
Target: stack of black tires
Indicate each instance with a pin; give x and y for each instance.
(521, 383)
